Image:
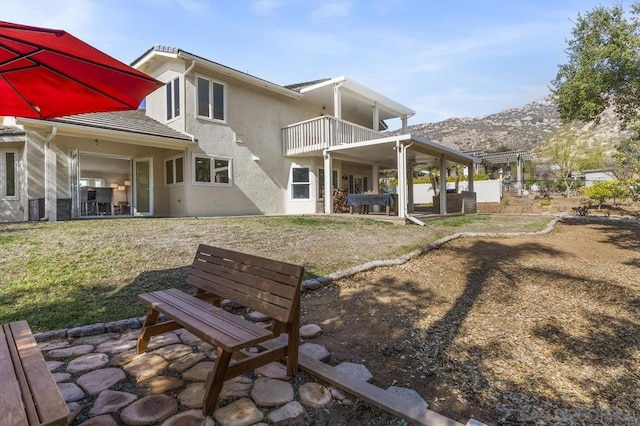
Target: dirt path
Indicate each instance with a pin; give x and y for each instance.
(505, 330)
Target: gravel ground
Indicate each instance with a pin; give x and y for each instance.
(539, 329)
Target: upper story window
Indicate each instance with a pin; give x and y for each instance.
(211, 170)
(211, 99)
(173, 98)
(9, 174)
(174, 170)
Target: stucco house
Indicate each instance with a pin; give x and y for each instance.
(214, 141)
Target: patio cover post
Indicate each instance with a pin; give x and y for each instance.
(470, 173)
(519, 174)
(410, 206)
(375, 185)
(402, 179)
(328, 190)
(443, 186)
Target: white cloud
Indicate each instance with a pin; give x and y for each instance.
(332, 9)
(78, 17)
(265, 7)
(193, 6)
(312, 43)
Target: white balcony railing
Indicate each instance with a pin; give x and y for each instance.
(323, 132)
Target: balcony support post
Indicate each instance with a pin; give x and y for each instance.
(337, 101)
(376, 117)
(328, 190)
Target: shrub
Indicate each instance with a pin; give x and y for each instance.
(601, 191)
(545, 203)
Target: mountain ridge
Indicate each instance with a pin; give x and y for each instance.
(522, 128)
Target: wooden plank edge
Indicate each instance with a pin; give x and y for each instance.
(375, 396)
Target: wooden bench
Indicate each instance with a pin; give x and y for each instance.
(267, 286)
(28, 393)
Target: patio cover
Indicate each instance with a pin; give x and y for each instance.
(399, 152)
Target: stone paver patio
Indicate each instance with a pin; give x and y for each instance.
(104, 382)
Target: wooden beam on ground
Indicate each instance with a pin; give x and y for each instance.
(375, 396)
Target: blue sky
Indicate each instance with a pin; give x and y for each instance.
(441, 58)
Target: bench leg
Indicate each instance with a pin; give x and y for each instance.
(145, 335)
(215, 380)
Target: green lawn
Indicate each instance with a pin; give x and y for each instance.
(66, 274)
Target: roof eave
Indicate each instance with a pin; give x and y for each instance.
(239, 75)
(117, 135)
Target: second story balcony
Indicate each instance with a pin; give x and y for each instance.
(313, 136)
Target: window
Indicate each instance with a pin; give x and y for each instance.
(174, 170)
(173, 98)
(211, 171)
(300, 184)
(9, 174)
(334, 181)
(211, 99)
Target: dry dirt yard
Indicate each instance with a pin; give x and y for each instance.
(540, 329)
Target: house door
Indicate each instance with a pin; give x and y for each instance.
(357, 184)
(143, 187)
(74, 182)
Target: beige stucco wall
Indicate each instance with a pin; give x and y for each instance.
(156, 102)
(254, 115)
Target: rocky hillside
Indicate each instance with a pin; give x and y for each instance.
(517, 128)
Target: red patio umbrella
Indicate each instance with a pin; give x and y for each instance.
(47, 73)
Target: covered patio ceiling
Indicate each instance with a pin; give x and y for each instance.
(382, 152)
(356, 98)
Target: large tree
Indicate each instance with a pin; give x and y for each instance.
(603, 67)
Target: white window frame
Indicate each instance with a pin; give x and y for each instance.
(3, 171)
(210, 115)
(212, 161)
(170, 89)
(173, 180)
(307, 183)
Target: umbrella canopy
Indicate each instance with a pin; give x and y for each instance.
(47, 73)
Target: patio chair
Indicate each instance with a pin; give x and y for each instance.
(102, 201)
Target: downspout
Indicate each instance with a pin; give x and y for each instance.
(184, 90)
(187, 163)
(47, 173)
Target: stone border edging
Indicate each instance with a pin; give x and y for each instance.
(316, 283)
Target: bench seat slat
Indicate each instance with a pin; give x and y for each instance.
(44, 389)
(39, 397)
(221, 327)
(11, 405)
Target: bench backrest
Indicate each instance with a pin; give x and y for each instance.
(264, 285)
